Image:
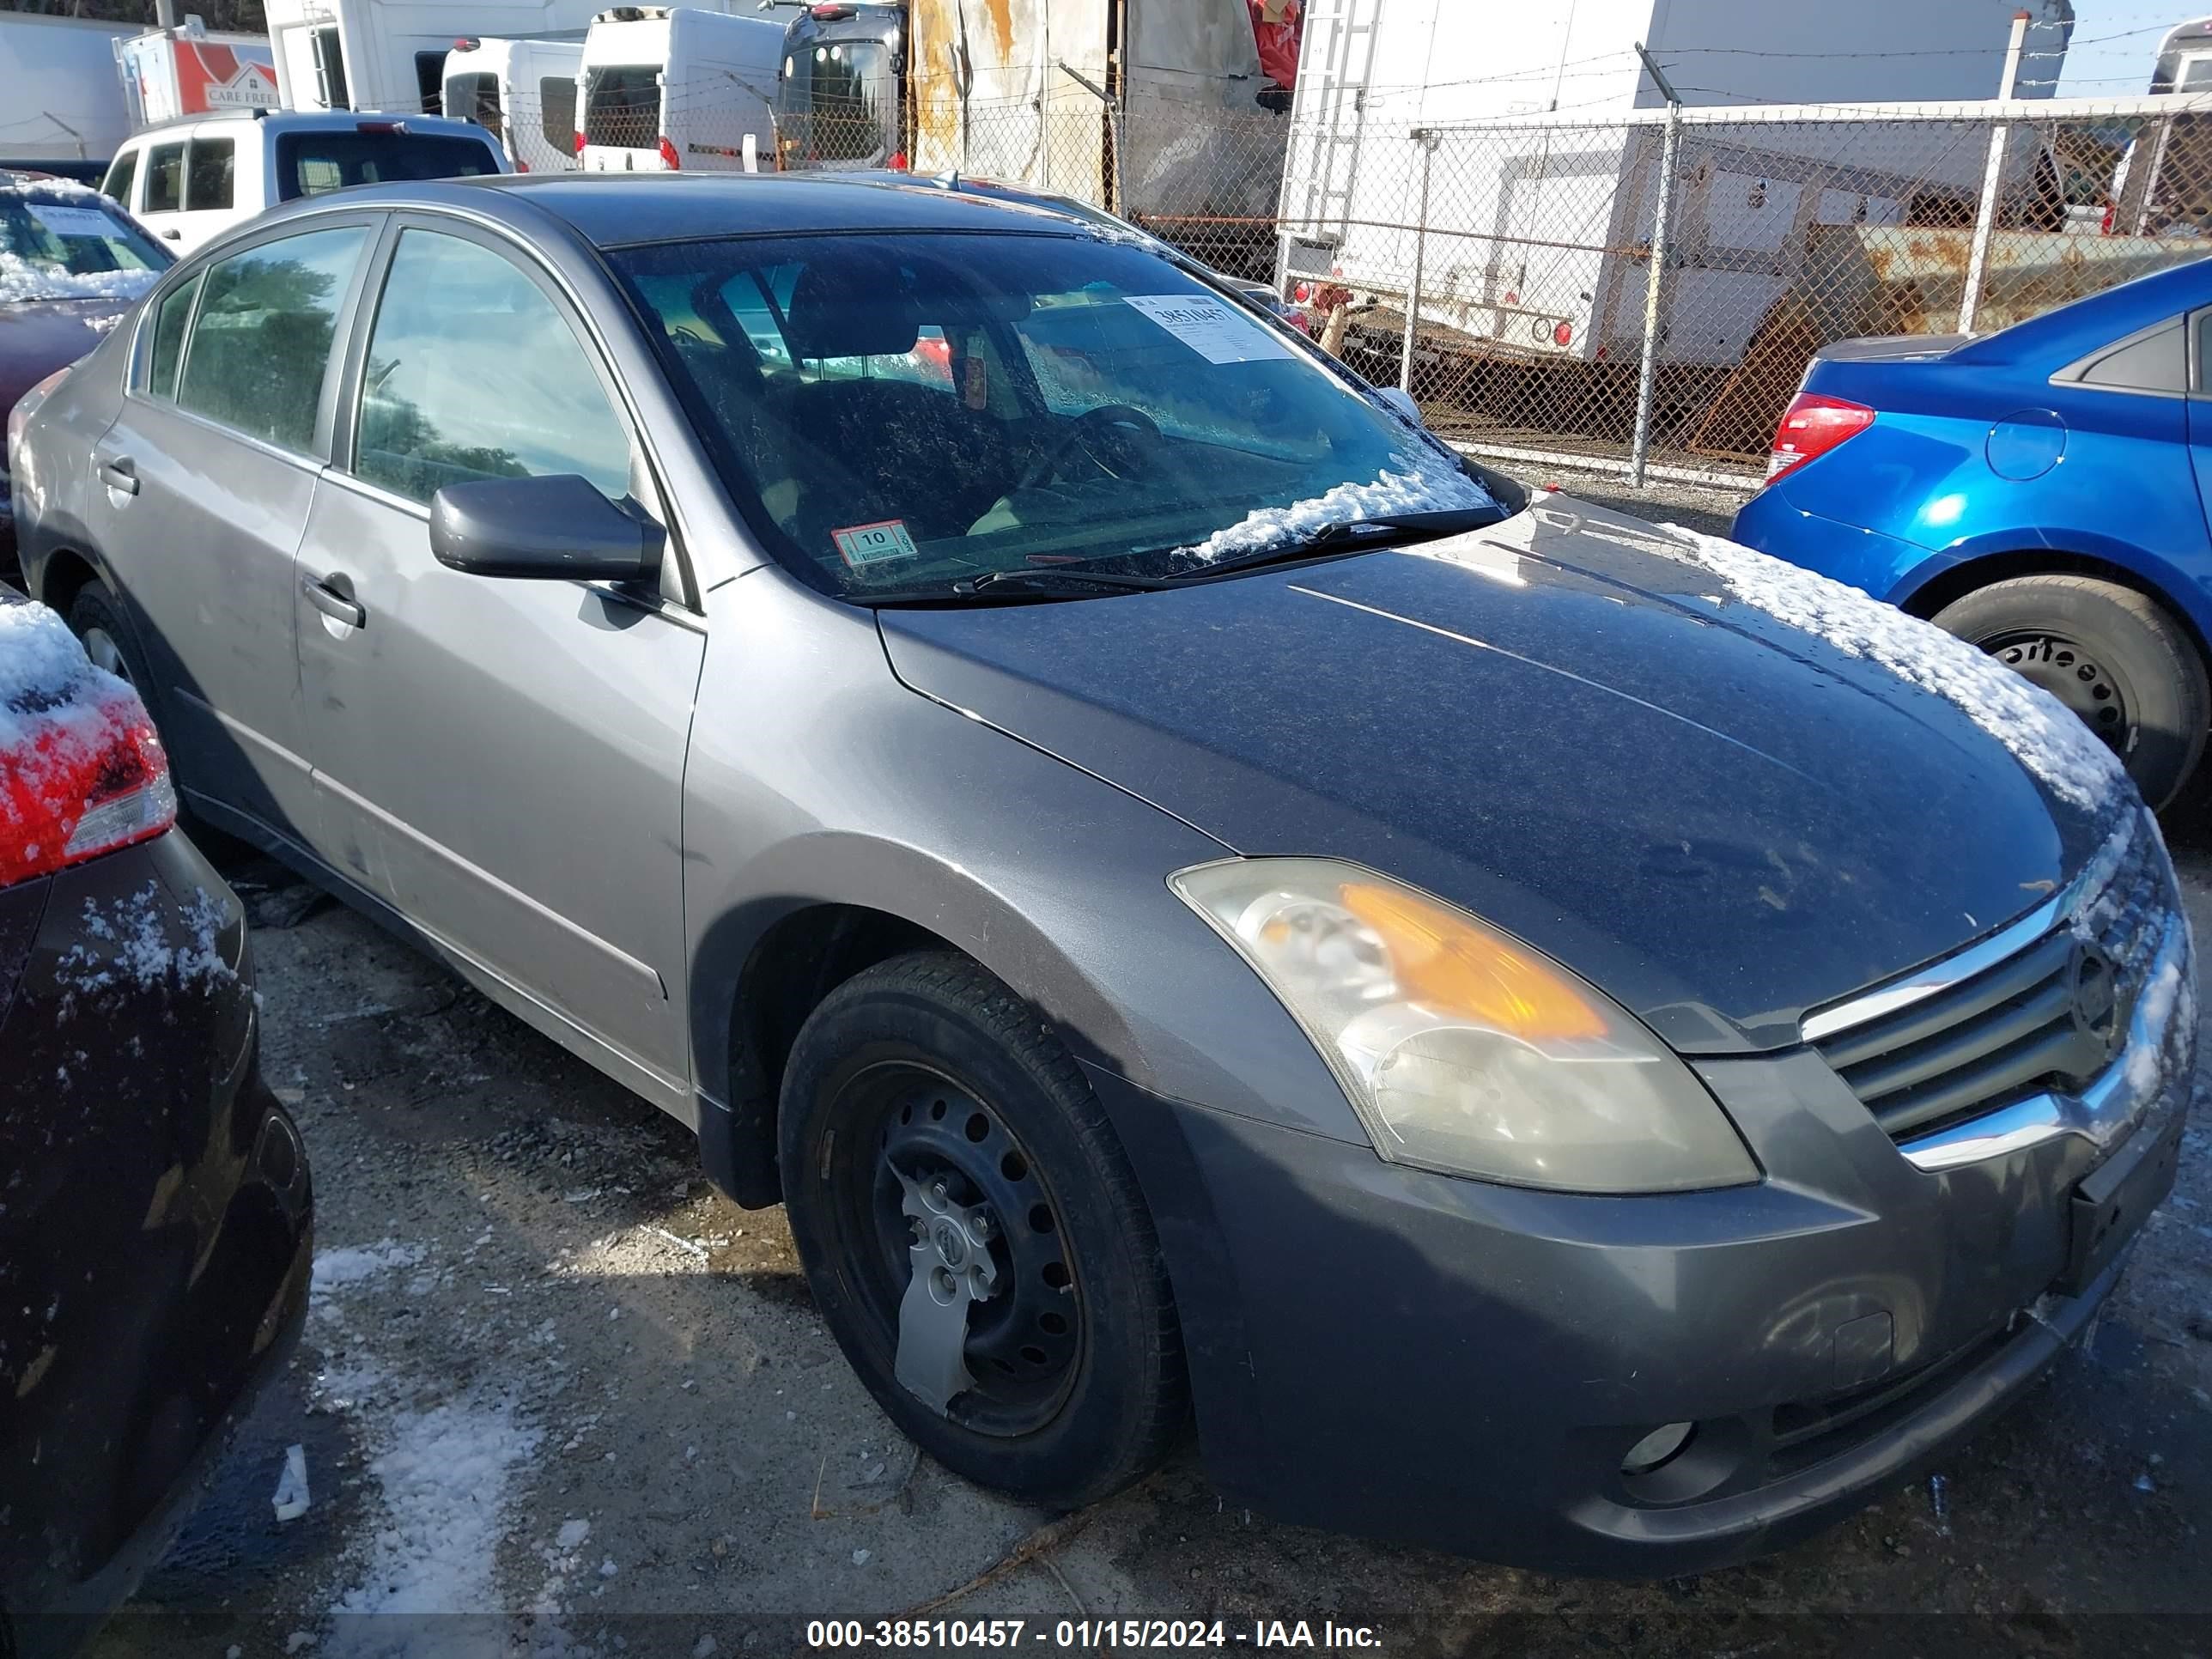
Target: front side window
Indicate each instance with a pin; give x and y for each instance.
(1007, 402)
(261, 343)
(55, 247)
(621, 106)
(169, 339)
(473, 373)
(208, 174)
(122, 173)
(165, 178)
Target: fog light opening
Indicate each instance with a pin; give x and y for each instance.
(1658, 1449)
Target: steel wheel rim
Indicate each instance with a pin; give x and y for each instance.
(2097, 693)
(99, 645)
(913, 1126)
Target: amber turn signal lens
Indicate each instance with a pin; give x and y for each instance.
(1439, 959)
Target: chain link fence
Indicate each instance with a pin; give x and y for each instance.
(1503, 272)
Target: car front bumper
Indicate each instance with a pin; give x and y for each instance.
(156, 1244)
(1464, 1365)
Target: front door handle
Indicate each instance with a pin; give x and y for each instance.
(337, 606)
(119, 474)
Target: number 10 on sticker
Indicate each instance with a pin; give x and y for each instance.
(873, 543)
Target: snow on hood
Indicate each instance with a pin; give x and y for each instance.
(1410, 483)
(2042, 733)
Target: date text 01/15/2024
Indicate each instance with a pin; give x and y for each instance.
(1082, 1634)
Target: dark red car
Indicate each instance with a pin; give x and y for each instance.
(72, 264)
(154, 1209)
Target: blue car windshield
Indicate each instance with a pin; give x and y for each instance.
(897, 416)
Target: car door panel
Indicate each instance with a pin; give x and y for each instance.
(201, 492)
(500, 759)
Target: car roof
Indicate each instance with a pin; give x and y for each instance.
(615, 209)
(304, 120)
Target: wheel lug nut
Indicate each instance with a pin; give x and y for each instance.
(979, 1227)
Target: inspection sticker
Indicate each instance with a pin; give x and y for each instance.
(873, 543)
(72, 222)
(1214, 328)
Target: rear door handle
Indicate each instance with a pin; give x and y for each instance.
(119, 474)
(332, 604)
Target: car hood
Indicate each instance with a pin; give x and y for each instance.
(38, 337)
(1574, 729)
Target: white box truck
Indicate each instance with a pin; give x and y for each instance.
(391, 54)
(670, 88)
(523, 92)
(1537, 131)
(169, 73)
(60, 100)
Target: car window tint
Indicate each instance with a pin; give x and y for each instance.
(315, 163)
(169, 339)
(2201, 350)
(2153, 362)
(120, 176)
(556, 111)
(208, 174)
(261, 341)
(165, 178)
(472, 373)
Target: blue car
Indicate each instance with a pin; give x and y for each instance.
(2036, 491)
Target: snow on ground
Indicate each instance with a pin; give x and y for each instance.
(2041, 734)
(445, 1472)
(1421, 482)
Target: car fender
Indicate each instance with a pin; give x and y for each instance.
(2015, 550)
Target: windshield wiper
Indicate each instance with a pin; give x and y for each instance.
(1383, 530)
(1060, 575)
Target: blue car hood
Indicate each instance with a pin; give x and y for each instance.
(1571, 727)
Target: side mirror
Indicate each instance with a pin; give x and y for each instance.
(554, 526)
(1400, 402)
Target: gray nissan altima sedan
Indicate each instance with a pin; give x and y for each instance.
(1568, 1040)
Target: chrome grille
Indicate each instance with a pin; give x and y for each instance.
(1939, 1050)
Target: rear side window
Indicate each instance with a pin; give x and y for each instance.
(121, 174)
(2158, 362)
(623, 106)
(473, 373)
(556, 111)
(208, 174)
(315, 163)
(261, 343)
(169, 340)
(165, 178)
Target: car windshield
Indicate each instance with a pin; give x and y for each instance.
(899, 415)
(67, 243)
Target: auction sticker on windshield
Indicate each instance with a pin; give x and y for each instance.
(1213, 328)
(873, 543)
(72, 220)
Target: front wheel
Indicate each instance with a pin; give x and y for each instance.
(974, 1236)
(2114, 657)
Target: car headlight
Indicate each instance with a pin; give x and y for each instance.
(1462, 1049)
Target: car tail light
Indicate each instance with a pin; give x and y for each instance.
(467, 42)
(1564, 334)
(668, 155)
(521, 166)
(82, 779)
(1813, 425)
(832, 14)
(578, 148)
(1302, 293)
(898, 160)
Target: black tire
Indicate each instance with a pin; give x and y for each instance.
(97, 620)
(1105, 1412)
(2116, 657)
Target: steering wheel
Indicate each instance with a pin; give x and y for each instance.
(1089, 429)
